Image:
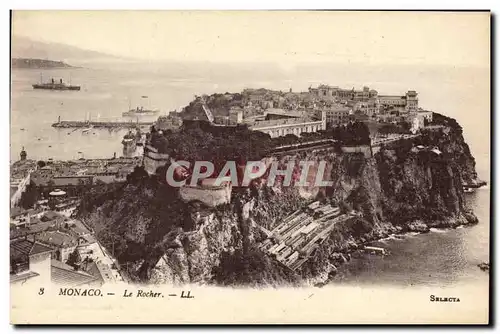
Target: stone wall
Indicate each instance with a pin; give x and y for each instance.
(210, 196)
(365, 149)
(153, 159)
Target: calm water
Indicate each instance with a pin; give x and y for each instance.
(444, 257)
(439, 258)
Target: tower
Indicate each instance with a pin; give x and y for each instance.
(23, 154)
(323, 119)
(411, 101)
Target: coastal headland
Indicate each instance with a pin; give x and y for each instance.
(33, 63)
(388, 167)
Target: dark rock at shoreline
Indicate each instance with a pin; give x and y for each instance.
(418, 226)
(484, 266)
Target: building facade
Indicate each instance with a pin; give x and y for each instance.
(334, 93)
(235, 115)
(336, 116)
(368, 108)
(295, 126)
(408, 102)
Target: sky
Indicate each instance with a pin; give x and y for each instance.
(373, 38)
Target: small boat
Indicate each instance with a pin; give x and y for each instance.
(86, 130)
(22, 129)
(468, 190)
(484, 266)
(376, 250)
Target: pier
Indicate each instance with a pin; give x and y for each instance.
(100, 124)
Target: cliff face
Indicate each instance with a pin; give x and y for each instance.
(409, 186)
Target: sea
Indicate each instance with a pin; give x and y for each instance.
(438, 258)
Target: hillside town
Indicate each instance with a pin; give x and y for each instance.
(47, 243)
(280, 113)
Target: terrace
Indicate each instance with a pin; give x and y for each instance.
(294, 240)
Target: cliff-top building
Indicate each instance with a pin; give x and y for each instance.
(290, 125)
(334, 93)
(407, 102)
(336, 115)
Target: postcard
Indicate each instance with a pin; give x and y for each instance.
(250, 167)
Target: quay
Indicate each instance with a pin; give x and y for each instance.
(97, 124)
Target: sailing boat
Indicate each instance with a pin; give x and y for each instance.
(90, 127)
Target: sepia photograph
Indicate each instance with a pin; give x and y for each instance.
(250, 167)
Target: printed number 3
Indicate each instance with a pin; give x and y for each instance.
(41, 291)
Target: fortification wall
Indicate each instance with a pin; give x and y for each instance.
(210, 196)
(365, 149)
(153, 160)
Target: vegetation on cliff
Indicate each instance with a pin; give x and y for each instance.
(200, 141)
(134, 219)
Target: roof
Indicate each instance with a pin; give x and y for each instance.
(93, 269)
(23, 276)
(15, 211)
(38, 248)
(62, 273)
(57, 238)
(50, 215)
(24, 247)
(78, 227)
(57, 192)
(35, 226)
(105, 272)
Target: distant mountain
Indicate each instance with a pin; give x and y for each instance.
(37, 63)
(22, 47)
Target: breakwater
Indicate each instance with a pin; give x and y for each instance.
(94, 124)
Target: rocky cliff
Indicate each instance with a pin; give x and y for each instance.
(410, 185)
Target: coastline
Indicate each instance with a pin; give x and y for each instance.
(328, 275)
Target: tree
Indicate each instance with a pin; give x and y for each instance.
(345, 207)
(74, 259)
(29, 197)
